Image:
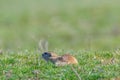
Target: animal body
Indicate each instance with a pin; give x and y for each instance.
(59, 60)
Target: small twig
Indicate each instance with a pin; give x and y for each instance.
(8, 74)
(76, 73)
(36, 73)
(43, 45)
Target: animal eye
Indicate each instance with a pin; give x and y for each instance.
(45, 53)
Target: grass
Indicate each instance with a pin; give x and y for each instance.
(87, 29)
(93, 65)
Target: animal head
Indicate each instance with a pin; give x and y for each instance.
(48, 55)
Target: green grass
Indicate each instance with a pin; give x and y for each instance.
(93, 65)
(87, 29)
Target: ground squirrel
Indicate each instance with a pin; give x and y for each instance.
(59, 60)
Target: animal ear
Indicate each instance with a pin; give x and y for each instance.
(60, 58)
(43, 45)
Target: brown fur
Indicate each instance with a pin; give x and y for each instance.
(60, 60)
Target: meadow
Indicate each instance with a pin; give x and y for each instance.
(87, 29)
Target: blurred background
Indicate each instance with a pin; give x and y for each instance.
(65, 24)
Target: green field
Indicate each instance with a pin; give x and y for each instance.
(87, 29)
